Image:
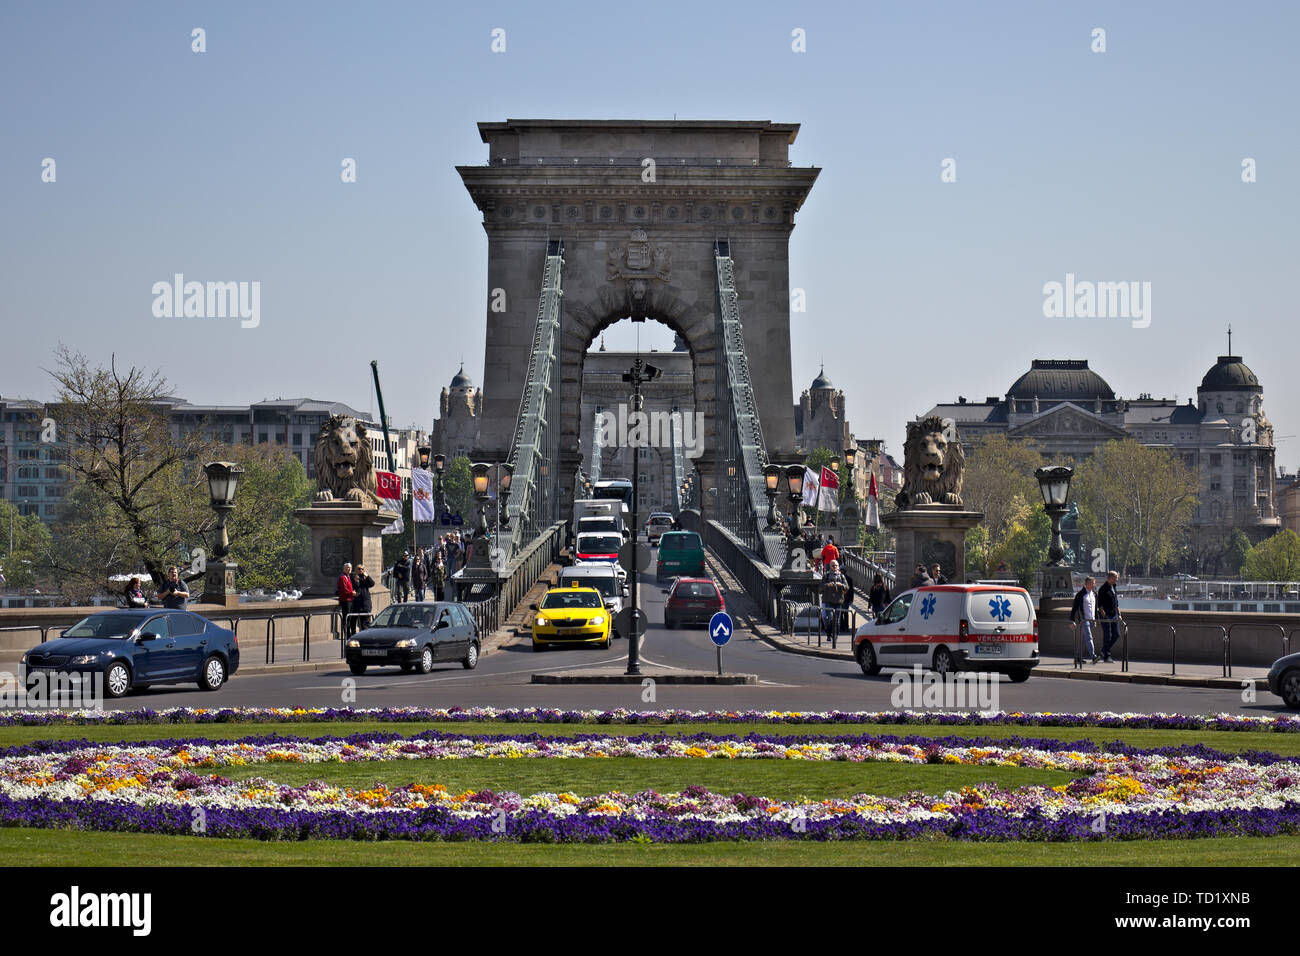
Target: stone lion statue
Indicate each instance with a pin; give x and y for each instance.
(932, 465)
(345, 465)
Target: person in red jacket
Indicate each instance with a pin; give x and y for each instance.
(345, 594)
(830, 552)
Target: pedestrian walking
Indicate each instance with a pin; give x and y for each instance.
(1083, 614)
(361, 585)
(402, 578)
(1108, 605)
(345, 592)
(829, 551)
(439, 577)
(847, 604)
(920, 578)
(833, 589)
(936, 574)
(878, 596)
(419, 574)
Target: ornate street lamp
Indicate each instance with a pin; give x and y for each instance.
(424, 451)
(794, 479)
(219, 575)
(1054, 483)
(772, 480)
(479, 470)
(503, 493)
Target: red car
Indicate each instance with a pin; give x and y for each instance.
(694, 600)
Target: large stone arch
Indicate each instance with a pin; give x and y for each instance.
(584, 320)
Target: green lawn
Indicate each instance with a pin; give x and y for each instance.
(74, 848)
(778, 779)
(1287, 744)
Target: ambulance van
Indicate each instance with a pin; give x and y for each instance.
(952, 627)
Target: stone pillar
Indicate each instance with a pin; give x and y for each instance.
(343, 532)
(931, 533)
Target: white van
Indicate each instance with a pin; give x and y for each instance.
(604, 578)
(952, 627)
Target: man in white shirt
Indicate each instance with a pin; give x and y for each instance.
(1084, 614)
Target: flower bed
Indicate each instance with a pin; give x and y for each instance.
(544, 715)
(176, 787)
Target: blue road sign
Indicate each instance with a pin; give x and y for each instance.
(457, 520)
(720, 628)
(446, 517)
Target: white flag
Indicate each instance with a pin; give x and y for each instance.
(828, 497)
(810, 486)
(873, 505)
(421, 494)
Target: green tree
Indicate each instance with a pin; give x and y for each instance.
(999, 482)
(270, 545)
(458, 491)
(1025, 549)
(1274, 559)
(1149, 495)
(1238, 548)
(125, 465)
(25, 541)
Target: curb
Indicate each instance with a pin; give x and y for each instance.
(674, 678)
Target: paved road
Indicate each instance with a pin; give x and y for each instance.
(786, 682)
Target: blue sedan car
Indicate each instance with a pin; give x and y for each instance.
(136, 647)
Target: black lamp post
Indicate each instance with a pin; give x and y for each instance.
(1054, 483)
(439, 468)
(219, 576)
(506, 472)
(772, 478)
(639, 374)
(794, 478)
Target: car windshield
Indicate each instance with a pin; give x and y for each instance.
(571, 600)
(680, 542)
(406, 615)
(607, 586)
(104, 625)
(661, 519)
(598, 524)
(694, 589)
(599, 543)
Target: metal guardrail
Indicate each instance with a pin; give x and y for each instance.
(757, 578)
(863, 571)
(43, 628)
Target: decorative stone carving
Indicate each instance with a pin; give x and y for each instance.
(345, 467)
(639, 261)
(932, 466)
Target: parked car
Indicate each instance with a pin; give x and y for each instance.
(1284, 679)
(656, 525)
(415, 636)
(681, 554)
(571, 615)
(951, 627)
(693, 600)
(136, 647)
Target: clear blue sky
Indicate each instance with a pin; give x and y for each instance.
(225, 165)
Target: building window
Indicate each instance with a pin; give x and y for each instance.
(1189, 461)
(1214, 484)
(1239, 458)
(1216, 460)
(28, 491)
(1238, 484)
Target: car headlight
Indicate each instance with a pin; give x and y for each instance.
(598, 619)
(406, 642)
(540, 620)
(87, 659)
(354, 643)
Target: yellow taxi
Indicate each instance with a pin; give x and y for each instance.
(571, 615)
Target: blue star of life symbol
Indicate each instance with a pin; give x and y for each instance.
(927, 606)
(1000, 607)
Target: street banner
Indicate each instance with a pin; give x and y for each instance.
(421, 495)
(873, 505)
(810, 486)
(828, 492)
(390, 500)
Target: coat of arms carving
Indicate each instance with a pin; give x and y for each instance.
(641, 260)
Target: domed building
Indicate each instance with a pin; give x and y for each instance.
(455, 432)
(819, 417)
(1068, 409)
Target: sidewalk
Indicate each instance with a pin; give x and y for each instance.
(745, 613)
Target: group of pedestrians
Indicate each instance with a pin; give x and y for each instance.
(923, 576)
(427, 572)
(1093, 605)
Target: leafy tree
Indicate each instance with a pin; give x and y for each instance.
(268, 543)
(1274, 559)
(125, 465)
(25, 540)
(1148, 493)
(1239, 548)
(1025, 549)
(999, 481)
(458, 491)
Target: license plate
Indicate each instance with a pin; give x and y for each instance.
(988, 650)
(374, 652)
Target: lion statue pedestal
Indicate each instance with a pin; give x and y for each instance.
(930, 524)
(345, 518)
